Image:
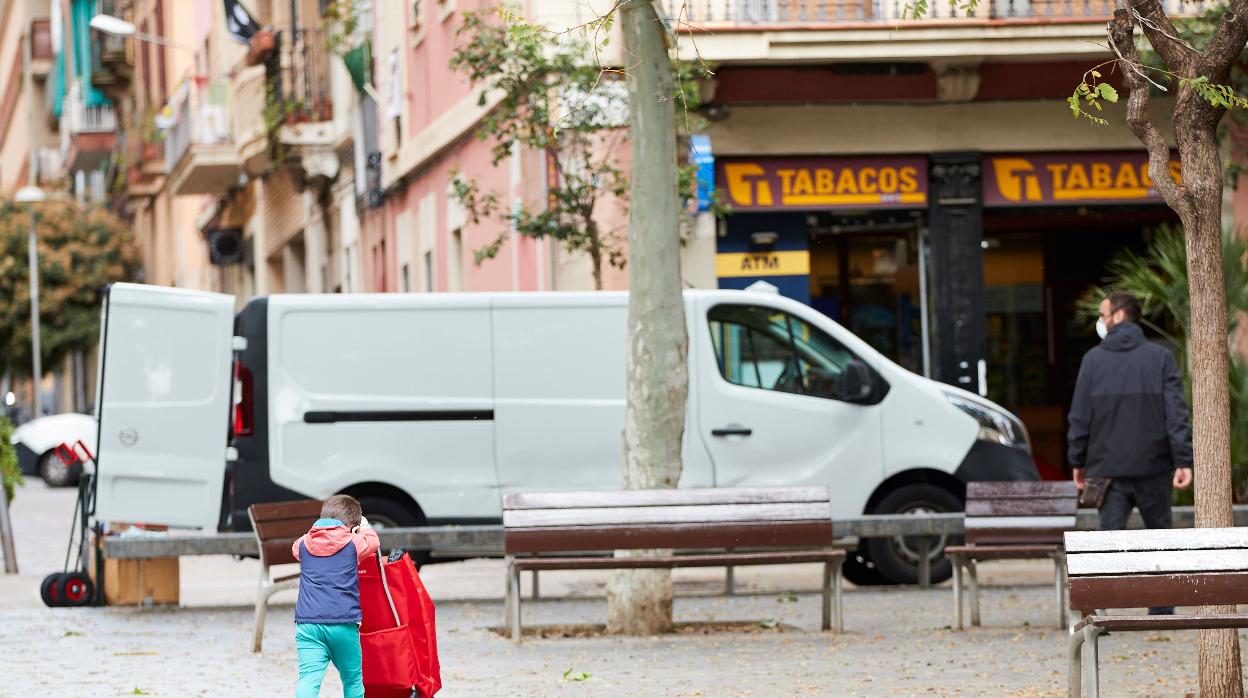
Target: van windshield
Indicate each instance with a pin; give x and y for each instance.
(760, 347)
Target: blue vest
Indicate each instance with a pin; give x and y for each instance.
(329, 587)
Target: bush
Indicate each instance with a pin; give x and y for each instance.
(9, 474)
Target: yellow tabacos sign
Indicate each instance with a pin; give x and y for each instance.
(824, 183)
(1088, 178)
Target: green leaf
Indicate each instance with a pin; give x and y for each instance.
(578, 676)
(1107, 92)
(139, 692)
(768, 624)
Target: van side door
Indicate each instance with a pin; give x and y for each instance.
(782, 402)
(164, 405)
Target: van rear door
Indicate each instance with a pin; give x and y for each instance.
(164, 405)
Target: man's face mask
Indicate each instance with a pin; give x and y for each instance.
(1101, 330)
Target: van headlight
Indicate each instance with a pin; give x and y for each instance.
(997, 426)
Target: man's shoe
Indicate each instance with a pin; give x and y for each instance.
(1161, 611)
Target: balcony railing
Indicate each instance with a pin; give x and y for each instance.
(80, 118)
(204, 119)
(688, 14)
(303, 87)
(41, 40)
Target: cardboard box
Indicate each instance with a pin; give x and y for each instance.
(153, 581)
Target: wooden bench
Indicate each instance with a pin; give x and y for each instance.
(778, 525)
(277, 527)
(1013, 521)
(1140, 569)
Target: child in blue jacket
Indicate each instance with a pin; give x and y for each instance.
(327, 615)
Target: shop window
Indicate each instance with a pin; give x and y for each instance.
(763, 348)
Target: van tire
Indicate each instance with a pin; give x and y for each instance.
(896, 558)
(55, 473)
(387, 513)
(859, 570)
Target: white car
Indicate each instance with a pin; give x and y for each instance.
(36, 440)
(427, 407)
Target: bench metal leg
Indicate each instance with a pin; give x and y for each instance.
(925, 562)
(838, 607)
(1075, 668)
(825, 622)
(266, 591)
(1059, 573)
(1090, 641)
(537, 594)
(956, 560)
(513, 582)
(730, 581)
(973, 578)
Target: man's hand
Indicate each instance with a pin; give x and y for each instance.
(1182, 478)
(1080, 482)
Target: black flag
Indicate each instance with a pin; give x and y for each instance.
(238, 22)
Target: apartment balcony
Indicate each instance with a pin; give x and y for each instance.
(251, 138)
(41, 54)
(111, 63)
(304, 101)
(868, 30)
(88, 133)
(199, 149)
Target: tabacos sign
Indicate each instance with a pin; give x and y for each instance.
(823, 183)
(1070, 178)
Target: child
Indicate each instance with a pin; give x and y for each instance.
(327, 615)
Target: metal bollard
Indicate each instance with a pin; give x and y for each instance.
(925, 562)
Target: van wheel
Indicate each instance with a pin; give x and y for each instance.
(897, 558)
(860, 570)
(386, 513)
(55, 473)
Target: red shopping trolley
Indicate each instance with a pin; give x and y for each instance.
(398, 637)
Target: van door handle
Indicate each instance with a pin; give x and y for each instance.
(732, 430)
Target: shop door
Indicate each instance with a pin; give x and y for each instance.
(871, 285)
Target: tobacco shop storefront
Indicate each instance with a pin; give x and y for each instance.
(964, 267)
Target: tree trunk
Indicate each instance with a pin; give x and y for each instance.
(640, 601)
(1220, 672)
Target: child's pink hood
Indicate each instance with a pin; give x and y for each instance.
(328, 536)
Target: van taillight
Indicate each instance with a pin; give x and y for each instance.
(243, 401)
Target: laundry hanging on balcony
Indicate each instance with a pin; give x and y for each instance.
(81, 12)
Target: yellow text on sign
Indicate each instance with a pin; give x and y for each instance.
(787, 263)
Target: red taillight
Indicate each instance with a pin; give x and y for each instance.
(242, 400)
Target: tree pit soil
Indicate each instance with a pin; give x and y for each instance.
(593, 630)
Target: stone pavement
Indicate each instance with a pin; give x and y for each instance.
(898, 641)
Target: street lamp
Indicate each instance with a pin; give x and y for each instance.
(120, 27)
(31, 195)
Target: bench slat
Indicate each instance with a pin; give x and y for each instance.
(671, 561)
(1091, 592)
(702, 535)
(1024, 490)
(300, 508)
(658, 498)
(1157, 539)
(1157, 562)
(699, 513)
(277, 552)
(989, 552)
(1040, 506)
(1186, 621)
(284, 528)
(1004, 522)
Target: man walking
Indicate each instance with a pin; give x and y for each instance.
(1129, 436)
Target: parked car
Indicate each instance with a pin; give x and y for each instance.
(427, 407)
(36, 440)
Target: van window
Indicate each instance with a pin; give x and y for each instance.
(765, 348)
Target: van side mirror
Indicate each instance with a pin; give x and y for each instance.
(857, 382)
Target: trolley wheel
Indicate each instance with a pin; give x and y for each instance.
(49, 590)
(76, 589)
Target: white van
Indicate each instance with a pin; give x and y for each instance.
(427, 406)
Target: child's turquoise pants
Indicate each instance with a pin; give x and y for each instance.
(319, 645)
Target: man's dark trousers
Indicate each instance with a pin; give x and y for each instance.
(1152, 495)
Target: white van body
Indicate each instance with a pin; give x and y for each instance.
(435, 404)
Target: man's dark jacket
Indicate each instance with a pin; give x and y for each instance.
(1129, 417)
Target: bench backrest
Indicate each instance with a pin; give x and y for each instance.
(1167, 567)
(1020, 512)
(682, 518)
(279, 524)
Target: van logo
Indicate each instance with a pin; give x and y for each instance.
(128, 436)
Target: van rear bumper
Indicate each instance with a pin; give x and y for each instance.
(992, 461)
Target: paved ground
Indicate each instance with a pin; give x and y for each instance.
(898, 642)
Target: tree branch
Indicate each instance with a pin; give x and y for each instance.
(1121, 40)
(1161, 33)
(1227, 42)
